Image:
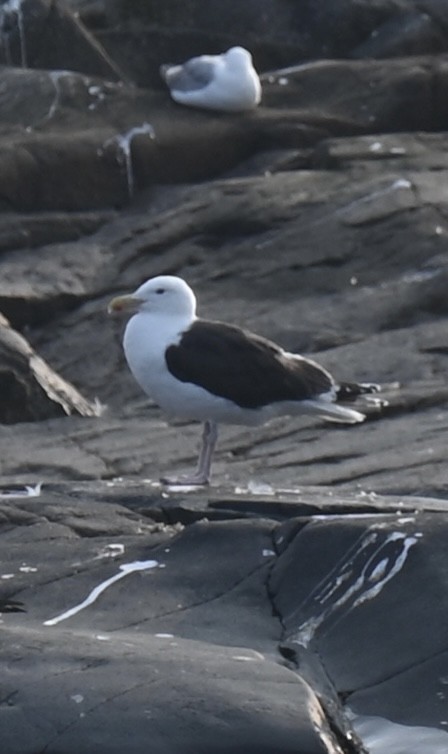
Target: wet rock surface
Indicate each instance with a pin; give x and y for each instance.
(285, 608)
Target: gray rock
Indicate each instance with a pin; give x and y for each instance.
(258, 633)
(141, 35)
(352, 609)
(47, 34)
(30, 390)
(81, 143)
(289, 607)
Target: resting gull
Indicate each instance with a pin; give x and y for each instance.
(226, 82)
(215, 372)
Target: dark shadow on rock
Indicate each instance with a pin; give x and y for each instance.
(47, 34)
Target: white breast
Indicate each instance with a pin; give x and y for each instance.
(145, 341)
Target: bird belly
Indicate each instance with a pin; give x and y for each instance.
(189, 401)
(228, 93)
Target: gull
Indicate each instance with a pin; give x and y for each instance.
(214, 372)
(226, 82)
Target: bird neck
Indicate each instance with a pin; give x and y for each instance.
(151, 332)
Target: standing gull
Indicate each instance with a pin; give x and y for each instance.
(226, 82)
(214, 372)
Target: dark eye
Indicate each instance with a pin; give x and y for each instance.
(160, 290)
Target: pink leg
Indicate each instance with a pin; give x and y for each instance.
(202, 474)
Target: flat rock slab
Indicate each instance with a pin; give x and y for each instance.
(180, 653)
(373, 457)
(127, 692)
(276, 628)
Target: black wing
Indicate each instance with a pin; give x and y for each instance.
(243, 367)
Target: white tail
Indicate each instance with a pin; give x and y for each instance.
(332, 412)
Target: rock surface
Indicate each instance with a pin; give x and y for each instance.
(30, 390)
(286, 608)
(204, 622)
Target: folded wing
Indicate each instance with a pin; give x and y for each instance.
(245, 368)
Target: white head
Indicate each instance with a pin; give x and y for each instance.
(238, 57)
(166, 295)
